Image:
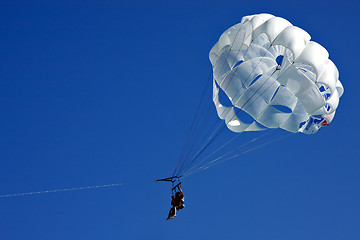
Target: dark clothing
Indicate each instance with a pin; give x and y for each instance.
(177, 203)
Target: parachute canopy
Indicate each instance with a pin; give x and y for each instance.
(273, 76)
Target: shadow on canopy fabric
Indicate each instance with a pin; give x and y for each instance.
(266, 74)
(271, 70)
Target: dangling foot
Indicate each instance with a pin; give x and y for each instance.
(172, 213)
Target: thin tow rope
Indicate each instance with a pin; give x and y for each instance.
(60, 190)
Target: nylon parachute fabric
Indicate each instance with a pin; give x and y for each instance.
(273, 76)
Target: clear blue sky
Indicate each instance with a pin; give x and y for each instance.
(101, 92)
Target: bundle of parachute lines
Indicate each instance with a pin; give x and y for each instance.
(267, 74)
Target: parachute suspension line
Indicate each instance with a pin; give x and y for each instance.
(217, 150)
(194, 143)
(191, 131)
(195, 118)
(235, 150)
(213, 163)
(211, 154)
(61, 190)
(217, 131)
(219, 125)
(210, 140)
(207, 157)
(222, 159)
(231, 152)
(224, 82)
(204, 122)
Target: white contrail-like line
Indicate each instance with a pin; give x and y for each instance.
(60, 190)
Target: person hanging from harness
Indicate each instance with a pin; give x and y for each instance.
(177, 202)
(177, 199)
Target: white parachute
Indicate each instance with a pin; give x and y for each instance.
(274, 77)
(267, 74)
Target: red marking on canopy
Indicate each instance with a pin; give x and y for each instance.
(324, 123)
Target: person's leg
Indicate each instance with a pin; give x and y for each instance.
(172, 213)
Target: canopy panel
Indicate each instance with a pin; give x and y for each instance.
(271, 71)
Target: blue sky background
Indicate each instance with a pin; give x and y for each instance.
(101, 92)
